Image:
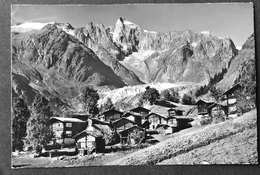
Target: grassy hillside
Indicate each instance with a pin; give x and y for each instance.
(241, 133)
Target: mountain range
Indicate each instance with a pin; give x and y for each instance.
(59, 60)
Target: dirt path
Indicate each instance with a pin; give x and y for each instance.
(25, 161)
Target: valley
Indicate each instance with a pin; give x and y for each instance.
(123, 95)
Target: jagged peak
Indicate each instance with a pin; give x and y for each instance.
(122, 21)
(66, 26)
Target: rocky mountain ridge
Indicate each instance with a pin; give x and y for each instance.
(61, 60)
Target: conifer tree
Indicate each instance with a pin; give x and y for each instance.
(90, 98)
(20, 116)
(39, 133)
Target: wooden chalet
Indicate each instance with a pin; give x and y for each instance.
(122, 124)
(92, 138)
(135, 117)
(66, 127)
(140, 110)
(125, 135)
(203, 107)
(155, 119)
(111, 115)
(230, 97)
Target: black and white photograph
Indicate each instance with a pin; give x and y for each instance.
(133, 84)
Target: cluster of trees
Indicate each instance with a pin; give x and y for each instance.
(151, 95)
(30, 126)
(107, 105)
(171, 95)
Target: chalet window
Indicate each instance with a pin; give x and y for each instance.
(69, 125)
(170, 121)
(172, 113)
(68, 133)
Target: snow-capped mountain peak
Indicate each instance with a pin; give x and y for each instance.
(28, 26)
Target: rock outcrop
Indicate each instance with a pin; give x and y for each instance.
(184, 56)
(243, 62)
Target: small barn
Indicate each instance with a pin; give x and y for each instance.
(92, 138)
(203, 107)
(111, 115)
(140, 110)
(132, 135)
(87, 142)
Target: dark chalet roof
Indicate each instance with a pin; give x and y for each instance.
(215, 104)
(152, 113)
(85, 133)
(176, 109)
(112, 110)
(205, 101)
(140, 108)
(118, 120)
(232, 89)
(126, 114)
(65, 119)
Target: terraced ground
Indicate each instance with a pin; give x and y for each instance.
(230, 142)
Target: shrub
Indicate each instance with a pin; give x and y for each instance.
(171, 95)
(138, 136)
(205, 120)
(187, 100)
(243, 105)
(218, 117)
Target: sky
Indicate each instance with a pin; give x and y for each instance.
(234, 20)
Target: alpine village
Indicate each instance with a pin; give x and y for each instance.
(122, 95)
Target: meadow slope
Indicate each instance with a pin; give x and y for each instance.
(241, 133)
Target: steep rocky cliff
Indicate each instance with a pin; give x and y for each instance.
(244, 61)
(184, 56)
(60, 60)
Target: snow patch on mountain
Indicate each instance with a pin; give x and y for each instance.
(149, 31)
(238, 47)
(130, 24)
(68, 29)
(28, 26)
(206, 32)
